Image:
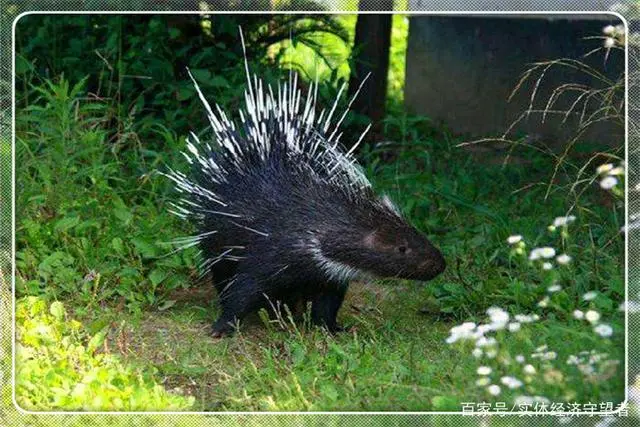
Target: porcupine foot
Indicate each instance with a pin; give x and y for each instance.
(325, 307)
(242, 298)
(223, 327)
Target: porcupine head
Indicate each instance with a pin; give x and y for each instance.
(282, 210)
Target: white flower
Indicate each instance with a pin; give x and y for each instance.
(620, 29)
(554, 288)
(491, 353)
(485, 342)
(603, 330)
(592, 316)
(511, 382)
(608, 30)
(563, 220)
(578, 314)
(563, 259)
(460, 332)
(514, 326)
(590, 296)
(482, 381)
(547, 252)
(617, 171)
(604, 168)
(572, 360)
(483, 370)
(499, 318)
(477, 353)
(494, 390)
(529, 370)
(544, 302)
(482, 329)
(544, 252)
(547, 266)
(608, 183)
(541, 354)
(609, 42)
(512, 240)
(523, 318)
(520, 358)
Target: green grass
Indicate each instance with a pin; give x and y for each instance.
(279, 365)
(92, 219)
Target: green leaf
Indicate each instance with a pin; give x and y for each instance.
(329, 391)
(219, 81)
(118, 245)
(184, 93)
(167, 305)
(97, 340)
(441, 403)
(144, 248)
(157, 276)
(23, 65)
(454, 288)
(122, 212)
(66, 223)
(201, 75)
(57, 310)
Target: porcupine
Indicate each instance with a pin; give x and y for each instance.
(284, 213)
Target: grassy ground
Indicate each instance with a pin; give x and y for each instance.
(384, 362)
(92, 220)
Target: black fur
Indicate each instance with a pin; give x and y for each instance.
(291, 221)
(294, 215)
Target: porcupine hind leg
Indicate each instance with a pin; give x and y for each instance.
(241, 296)
(325, 306)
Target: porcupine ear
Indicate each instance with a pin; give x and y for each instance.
(371, 240)
(375, 240)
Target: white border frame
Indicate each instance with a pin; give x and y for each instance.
(540, 14)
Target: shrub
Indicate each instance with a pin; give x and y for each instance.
(59, 367)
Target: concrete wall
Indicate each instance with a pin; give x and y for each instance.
(461, 70)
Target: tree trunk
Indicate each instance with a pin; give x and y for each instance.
(371, 47)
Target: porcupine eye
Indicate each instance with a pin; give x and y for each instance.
(402, 249)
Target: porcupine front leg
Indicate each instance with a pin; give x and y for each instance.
(325, 306)
(241, 296)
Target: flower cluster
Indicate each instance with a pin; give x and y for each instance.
(593, 317)
(497, 371)
(545, 255)
(517, 244)
(591, 363)
(610, 175)
(486, 346)
(614, 35)
(562, 221)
